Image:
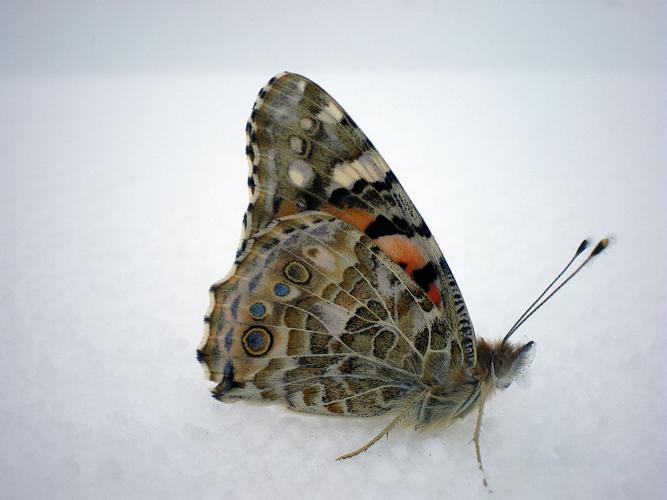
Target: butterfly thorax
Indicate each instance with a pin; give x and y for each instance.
(498, 365)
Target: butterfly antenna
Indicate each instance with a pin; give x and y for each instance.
(580, 249)
(602, 244)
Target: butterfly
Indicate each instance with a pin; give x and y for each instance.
(340, 301)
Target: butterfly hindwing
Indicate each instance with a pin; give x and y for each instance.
(306, 153)
(317, 316)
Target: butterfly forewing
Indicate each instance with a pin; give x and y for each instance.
(306, 153)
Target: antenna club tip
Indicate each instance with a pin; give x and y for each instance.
(602, 244)
(583, 246)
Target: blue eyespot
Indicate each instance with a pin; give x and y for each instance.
(257, 310)
(256, 340)
(281, 289)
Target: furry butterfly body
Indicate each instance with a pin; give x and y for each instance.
(340, 301)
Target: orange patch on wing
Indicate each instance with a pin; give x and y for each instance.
(358, 217)
(287, 208)
(403, 251)
(433, 293)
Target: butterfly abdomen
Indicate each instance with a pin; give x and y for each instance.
(456, 397)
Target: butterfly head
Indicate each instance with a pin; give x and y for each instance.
(507, 361)
(499, 364)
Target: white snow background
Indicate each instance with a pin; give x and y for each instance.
(518, 128)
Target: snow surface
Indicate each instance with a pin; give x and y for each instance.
(121, 197)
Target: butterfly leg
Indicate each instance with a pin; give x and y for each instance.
(478, 429)
(386, 430)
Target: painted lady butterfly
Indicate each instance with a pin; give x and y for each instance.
(340, 301)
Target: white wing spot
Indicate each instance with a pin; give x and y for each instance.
(330, 113)
(296, 144)
(300, 173)
(346, 174)
(306, 123)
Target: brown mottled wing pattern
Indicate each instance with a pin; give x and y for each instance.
(316, 316)
(306, 153)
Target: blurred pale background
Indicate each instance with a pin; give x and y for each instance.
(518, 128)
